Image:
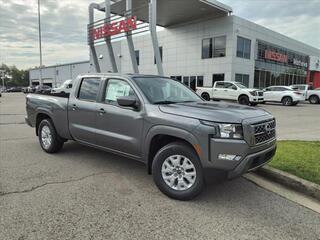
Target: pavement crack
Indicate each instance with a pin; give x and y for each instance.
(14, 123)
(52, 183)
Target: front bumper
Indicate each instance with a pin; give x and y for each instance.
(26, 119)
(253, 162)
(257, 99)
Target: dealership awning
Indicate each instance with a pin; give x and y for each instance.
(172, 12)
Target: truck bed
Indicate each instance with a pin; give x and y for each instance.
(53, 105)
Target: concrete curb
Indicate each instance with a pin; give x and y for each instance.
(308, 188)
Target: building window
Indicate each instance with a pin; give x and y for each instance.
(243, 78)
(137, 53)
(207, 48)
(214, 47)
(220, 46)
(176, 78)
(217, 77)
(200, 81)
(243, 47)
(155, 61)
(186, 81)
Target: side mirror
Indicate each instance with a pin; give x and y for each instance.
(234, 88)
(128, 101)
(69, 85)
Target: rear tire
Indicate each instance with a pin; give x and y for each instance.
(49, 139)
(287, 101)
(314, 99)
(177, 171)
(244, 100)
(205, 96)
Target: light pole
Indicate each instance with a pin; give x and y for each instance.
(2, 75)
(40, 48)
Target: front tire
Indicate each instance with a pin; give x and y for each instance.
(287, 101)
(244, 100)
(177, 171)
(49, 139)
(205, 96)
(314, 99)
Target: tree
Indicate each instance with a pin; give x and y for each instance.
(15, 77)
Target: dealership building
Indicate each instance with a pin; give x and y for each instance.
(203, 44)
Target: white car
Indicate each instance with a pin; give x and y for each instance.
(227, 90)
(283, 94)
(303, 88)
(314, 96)
(64, 88)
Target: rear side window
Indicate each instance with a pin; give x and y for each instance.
(89, 89)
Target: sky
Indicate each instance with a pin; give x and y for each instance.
(64, 27)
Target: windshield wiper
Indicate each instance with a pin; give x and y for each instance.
(164, 102)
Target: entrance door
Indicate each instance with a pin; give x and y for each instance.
(193, 82)
(119, 128)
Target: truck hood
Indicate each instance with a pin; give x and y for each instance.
(215, 112)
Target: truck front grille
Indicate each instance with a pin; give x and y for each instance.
(264, 131)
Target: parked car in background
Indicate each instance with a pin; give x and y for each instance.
(314, 96)
(182, 139)
(227, 90)
(43, 89)
(31, 89)
(283, 94)
(14, 89)
(64, 88)
(303, 88)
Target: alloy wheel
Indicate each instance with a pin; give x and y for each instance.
(178, 172)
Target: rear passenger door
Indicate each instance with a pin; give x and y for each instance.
(82, 110)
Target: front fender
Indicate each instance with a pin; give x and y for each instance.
(166, 130)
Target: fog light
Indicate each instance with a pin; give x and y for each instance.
(229, 157)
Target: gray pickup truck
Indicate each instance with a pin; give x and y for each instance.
(182, 139)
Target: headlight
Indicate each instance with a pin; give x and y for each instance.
(228, 130)
(231, 131)
(253, 93)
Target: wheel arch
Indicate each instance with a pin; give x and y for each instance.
(285, 97)
(40, 116)
(159, 136)
(243, 95)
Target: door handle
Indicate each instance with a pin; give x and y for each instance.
(74, 107)
(101, 111)
(225, 90)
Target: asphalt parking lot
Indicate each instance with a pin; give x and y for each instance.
(82, 193)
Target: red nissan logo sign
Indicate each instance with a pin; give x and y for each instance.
(114, 28)
(275, 56)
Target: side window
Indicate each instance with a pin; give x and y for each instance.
(89, 89)
(219, 84)
(228, 85)
(117, 88)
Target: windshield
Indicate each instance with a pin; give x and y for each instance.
(239, 85)
(160, 90)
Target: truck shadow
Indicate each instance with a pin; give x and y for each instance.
(218, 191)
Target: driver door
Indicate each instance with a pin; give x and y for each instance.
(119, 128)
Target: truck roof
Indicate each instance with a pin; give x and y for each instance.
(125, 75)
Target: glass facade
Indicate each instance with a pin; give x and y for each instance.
(191, 81)
(276, 65)
(214, 47)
